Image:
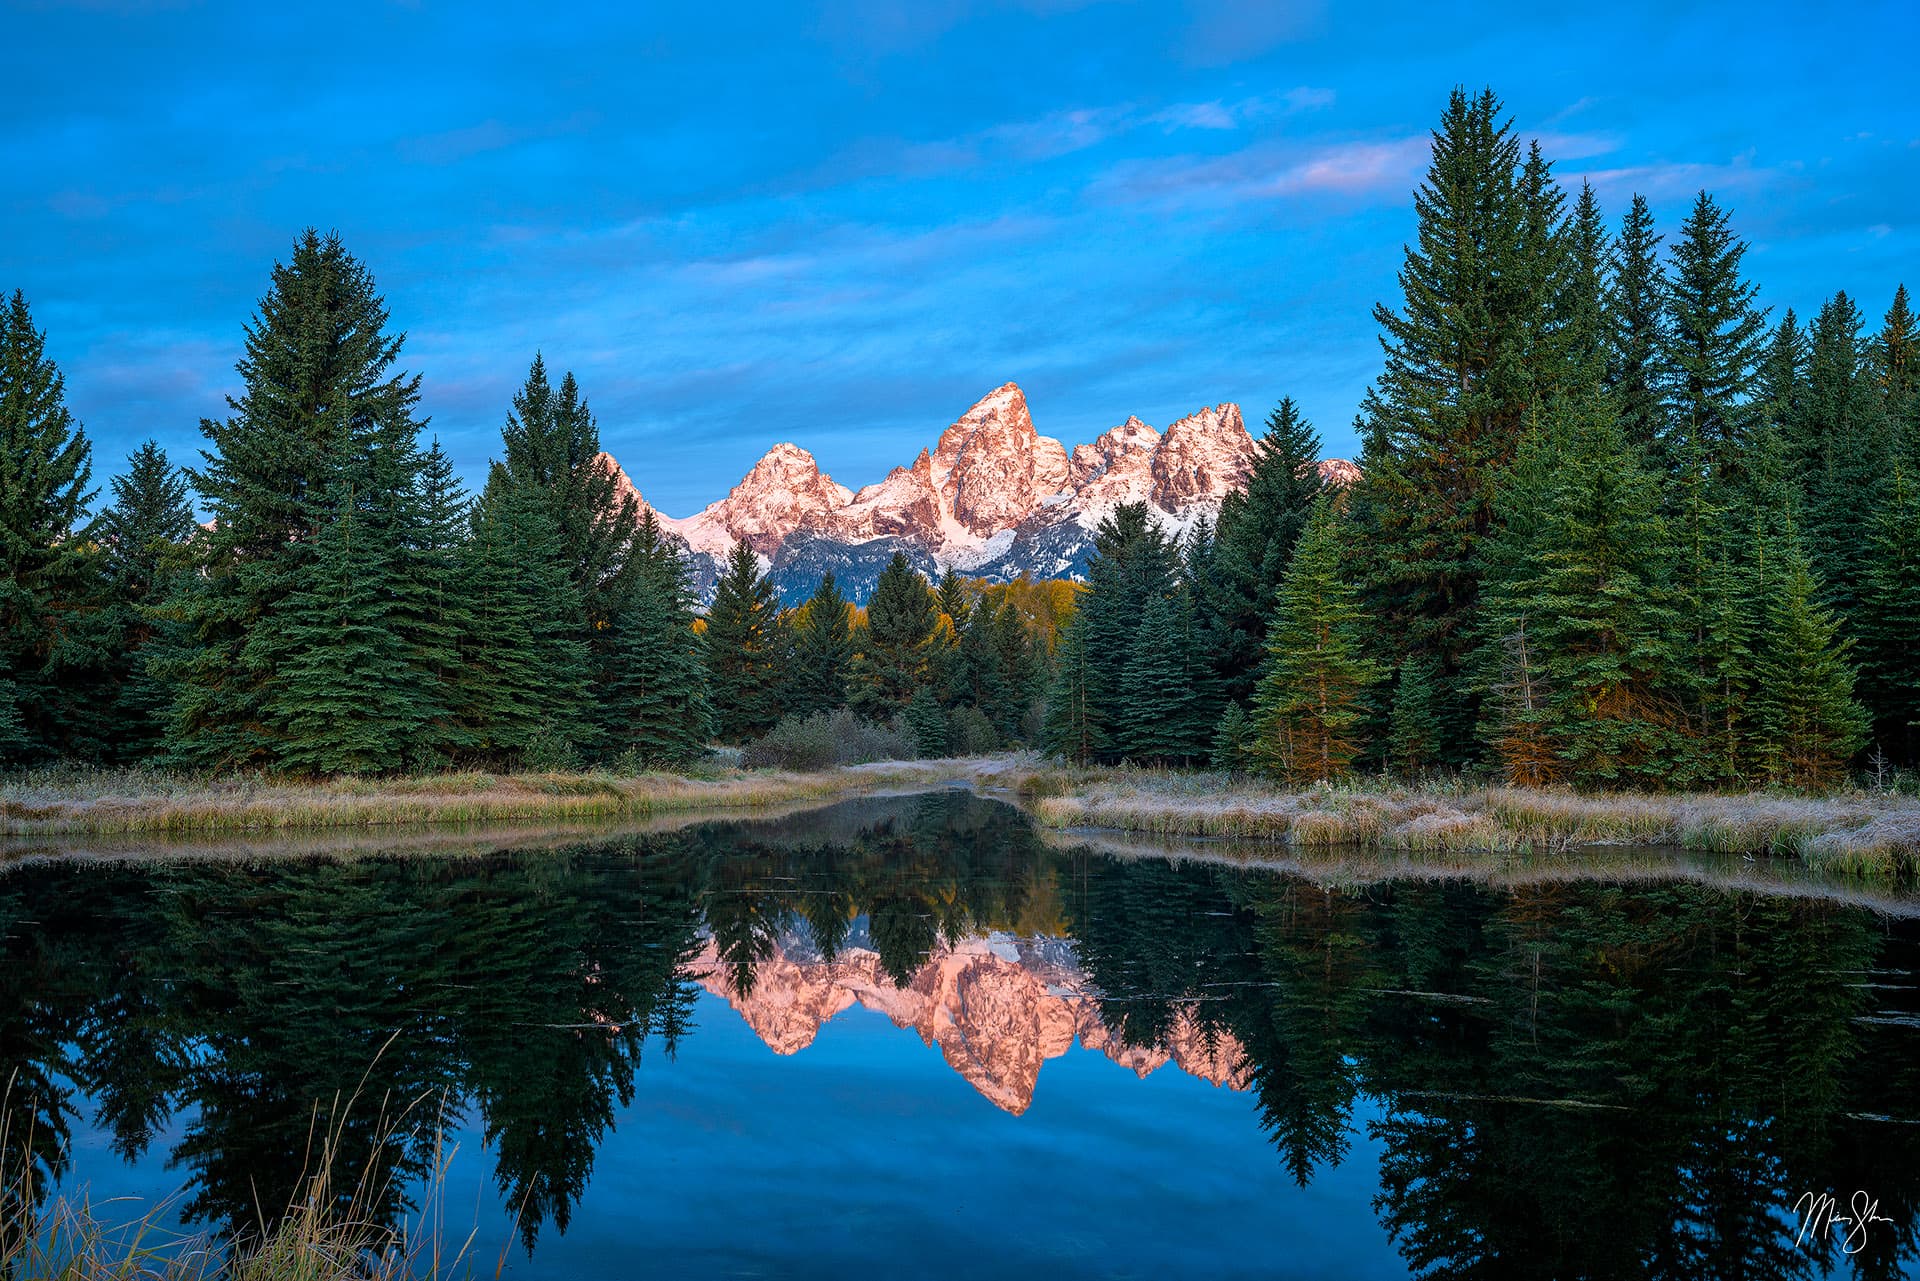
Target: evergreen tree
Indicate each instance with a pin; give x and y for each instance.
(1133, 564)
(822, 651)
(743, 649)
(45, 466)
(1233, 740)
(1896, 371)
(346, 699)
(1781, 382)
(522, 666)
(1414, 735)
(1840, 448)
(658, 698)
(1459, 385)
(1161, 688)
(1310, 704)
(894, 647)
(1074, 727)
(1636, 318)
(927, 721)
(551, 443)
(1590, 254)
(1254, 543)
(1807, 720)
(1887, 619)
(1716, 337)
(1599, 614)
(319, 397)
(431, 613)
(956, 599)
(145, 535)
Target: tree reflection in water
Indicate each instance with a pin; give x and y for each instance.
(1573, 1078)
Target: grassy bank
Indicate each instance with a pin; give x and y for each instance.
(1874, 834)
(1866, 833)
(98, 802)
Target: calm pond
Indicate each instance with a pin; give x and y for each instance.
(917, 1037)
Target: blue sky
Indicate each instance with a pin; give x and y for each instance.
(840, 224)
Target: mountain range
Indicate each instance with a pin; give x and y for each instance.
(992, 499)
(996, 1007)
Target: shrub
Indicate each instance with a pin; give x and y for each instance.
(970, 733)
(825, 739)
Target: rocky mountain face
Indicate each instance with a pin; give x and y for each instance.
(996, 1008)
(993, 498)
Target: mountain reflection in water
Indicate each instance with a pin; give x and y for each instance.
(1565, 1077)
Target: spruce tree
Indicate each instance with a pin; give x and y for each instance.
(1161, 688)
(956, 599)
(319, 396)
(892, 662)
(1414, 737)
(822, 651)
(1232, 740)
(431, 609)
(1887, 620)
(657, 701)
(1133, 563)
(1310, 704)
(1807, 721)
(1781, 382)
(928, 722)
(1841, 449)
(1896, 371)
(1074, 728)
(551, 444)
(146, 535)
(1636, 320)
(345, 699)
(1460, 384)
(1254, 542)
(1716, 338)
(1608, 625)
(45, 467)
(743, 649)
(1590, 255)
(522, 667)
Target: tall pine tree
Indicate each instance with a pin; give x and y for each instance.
(45, 466)
(1254, 541)
(822, 651)
(1716, 337)
(320, 408)
(1310, 707)
(743, 649)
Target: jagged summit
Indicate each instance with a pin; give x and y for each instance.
(993, 497)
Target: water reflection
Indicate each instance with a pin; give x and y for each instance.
(1563, 1078)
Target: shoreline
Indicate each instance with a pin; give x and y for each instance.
(1857, 833)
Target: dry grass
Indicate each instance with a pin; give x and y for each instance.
(328, 1232)
(1856, 832)
(96, 802)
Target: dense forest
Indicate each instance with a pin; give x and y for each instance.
(1617, 526)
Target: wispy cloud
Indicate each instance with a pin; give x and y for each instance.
(1270, 170)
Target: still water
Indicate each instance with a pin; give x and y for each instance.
(917, 1037)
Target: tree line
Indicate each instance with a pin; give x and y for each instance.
(349, 608)
(1616, 526)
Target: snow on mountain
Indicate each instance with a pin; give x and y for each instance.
(992, 498)
(996, 1007)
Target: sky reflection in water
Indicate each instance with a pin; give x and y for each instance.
(1549, 1078)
